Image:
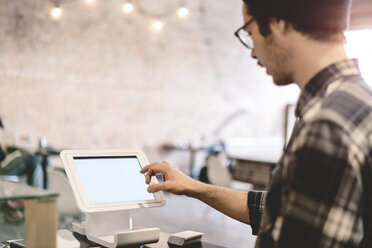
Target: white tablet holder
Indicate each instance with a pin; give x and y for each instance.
(114, 228)
(110, 224)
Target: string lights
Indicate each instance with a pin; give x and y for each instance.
(56, 13)
(89, 2)
(183, 12)
(129, 6)
(157, 25)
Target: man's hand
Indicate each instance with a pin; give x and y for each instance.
(175, 181)
(230, 202)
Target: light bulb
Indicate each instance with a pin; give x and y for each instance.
(56, 13)
(89, 1)
(128, 7)
(157, 25)
(183, 12)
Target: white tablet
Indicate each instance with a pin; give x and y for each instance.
(109, 180)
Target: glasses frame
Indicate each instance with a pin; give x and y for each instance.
(242, 28)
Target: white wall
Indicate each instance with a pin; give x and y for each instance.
(100, 79)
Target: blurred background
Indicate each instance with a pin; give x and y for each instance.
(99, 77)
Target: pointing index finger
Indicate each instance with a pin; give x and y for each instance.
(145, 169)
(154, 167)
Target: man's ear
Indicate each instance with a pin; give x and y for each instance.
(280, 27)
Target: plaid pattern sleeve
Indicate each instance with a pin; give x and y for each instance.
(320, 193)
(256, 202)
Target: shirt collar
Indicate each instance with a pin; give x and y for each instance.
(319, 83)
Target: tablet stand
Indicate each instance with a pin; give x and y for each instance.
(114, 228)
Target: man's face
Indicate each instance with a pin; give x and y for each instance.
(270, 52)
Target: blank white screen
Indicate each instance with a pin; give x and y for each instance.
(112, 180)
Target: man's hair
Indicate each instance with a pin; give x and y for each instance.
(322, 20)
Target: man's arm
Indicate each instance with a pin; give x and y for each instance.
(230, 202)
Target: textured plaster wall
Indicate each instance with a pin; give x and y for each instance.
(100, 79)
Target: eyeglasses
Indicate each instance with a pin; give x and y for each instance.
(244, 36)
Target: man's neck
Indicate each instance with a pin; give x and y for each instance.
(312, 57)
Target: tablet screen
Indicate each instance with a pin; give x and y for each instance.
(109, 180)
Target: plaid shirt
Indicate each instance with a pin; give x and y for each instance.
(320, 193)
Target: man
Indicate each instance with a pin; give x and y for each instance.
(320, 193)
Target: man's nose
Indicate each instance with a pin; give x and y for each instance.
(253, 55)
